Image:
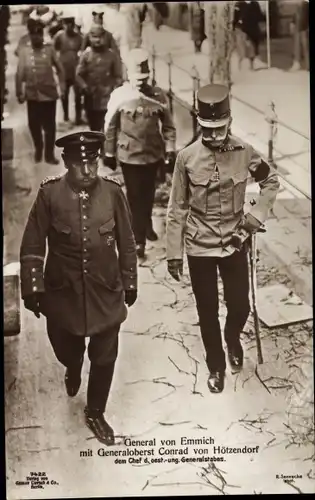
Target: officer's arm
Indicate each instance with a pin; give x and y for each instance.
(20, 74)
(269, 186)
(125, 242)
(117, 69)
(113, 45)
(81, 72)
(112, 124)
(57, 42)
(33, 246)
(177, 212)
(59, 68)
(168, 127)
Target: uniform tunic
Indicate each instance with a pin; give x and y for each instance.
(68, 48)
(139, 127)
(35, 69)
(100, 73)
(208, 194)
(91, 255)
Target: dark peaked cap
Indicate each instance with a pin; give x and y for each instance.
(81, 145)
(213, 105)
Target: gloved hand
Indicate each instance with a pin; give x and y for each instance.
(175, 268)
(32, 303)
(250, 223)
(110, 162)
(170, 159)
(130, 297)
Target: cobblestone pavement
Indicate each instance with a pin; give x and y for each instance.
(159, 389)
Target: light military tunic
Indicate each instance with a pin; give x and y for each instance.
(35, 69)
(208, 195)
(139, 127)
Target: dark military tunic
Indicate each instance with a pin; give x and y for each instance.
(91, 255)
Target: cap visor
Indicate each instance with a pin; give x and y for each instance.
(213, 123)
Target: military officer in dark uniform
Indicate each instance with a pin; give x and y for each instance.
(90, 271)
(140, 134)
(206, 207)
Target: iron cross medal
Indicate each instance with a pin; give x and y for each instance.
(83, 195)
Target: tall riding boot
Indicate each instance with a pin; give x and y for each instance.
(99, 384)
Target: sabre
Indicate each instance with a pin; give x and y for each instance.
(238, 240)
(253, 278)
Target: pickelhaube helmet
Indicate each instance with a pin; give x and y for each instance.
(213, 106)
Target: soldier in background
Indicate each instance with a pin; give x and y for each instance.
(68, 43)
(98, 73)
(36, 85)
(90, 272)
(98, 20)
(140, 134)
(247, 18)
(206, 207)
(300, 31)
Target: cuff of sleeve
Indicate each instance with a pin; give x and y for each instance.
(32, 280)
(129, 281)
(260, 214)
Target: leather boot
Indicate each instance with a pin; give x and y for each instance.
(73, 378)
(236, 356)
(99, 384)
(216, 381)
(101, 429)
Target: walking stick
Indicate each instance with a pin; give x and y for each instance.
(253, 278)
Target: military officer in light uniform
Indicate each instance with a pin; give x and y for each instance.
(35, 84)
(90, 271)
(206, 207)
(140, 134)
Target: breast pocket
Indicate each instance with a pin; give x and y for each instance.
(107, 233)
(62, 231)
(199, 192)
(239, 190)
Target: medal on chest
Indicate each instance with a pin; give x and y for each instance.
(215, 176)
(83, 195)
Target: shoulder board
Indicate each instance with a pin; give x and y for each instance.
(232, 147)
(50, 178)
(111, 179)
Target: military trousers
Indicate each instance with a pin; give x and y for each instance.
(42, 118)
(234, 273)
(77, 100)
(69, 349)
(140, 186)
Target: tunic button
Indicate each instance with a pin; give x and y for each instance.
(85, 229)
(84, 217)
(33, 279)
(84, 250)
(85, 261)
(131, 286)
(84, 239)
(83, 206)
(85, 271)
(34, 288)
(33, 270)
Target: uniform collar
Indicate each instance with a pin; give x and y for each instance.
(78, 190)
